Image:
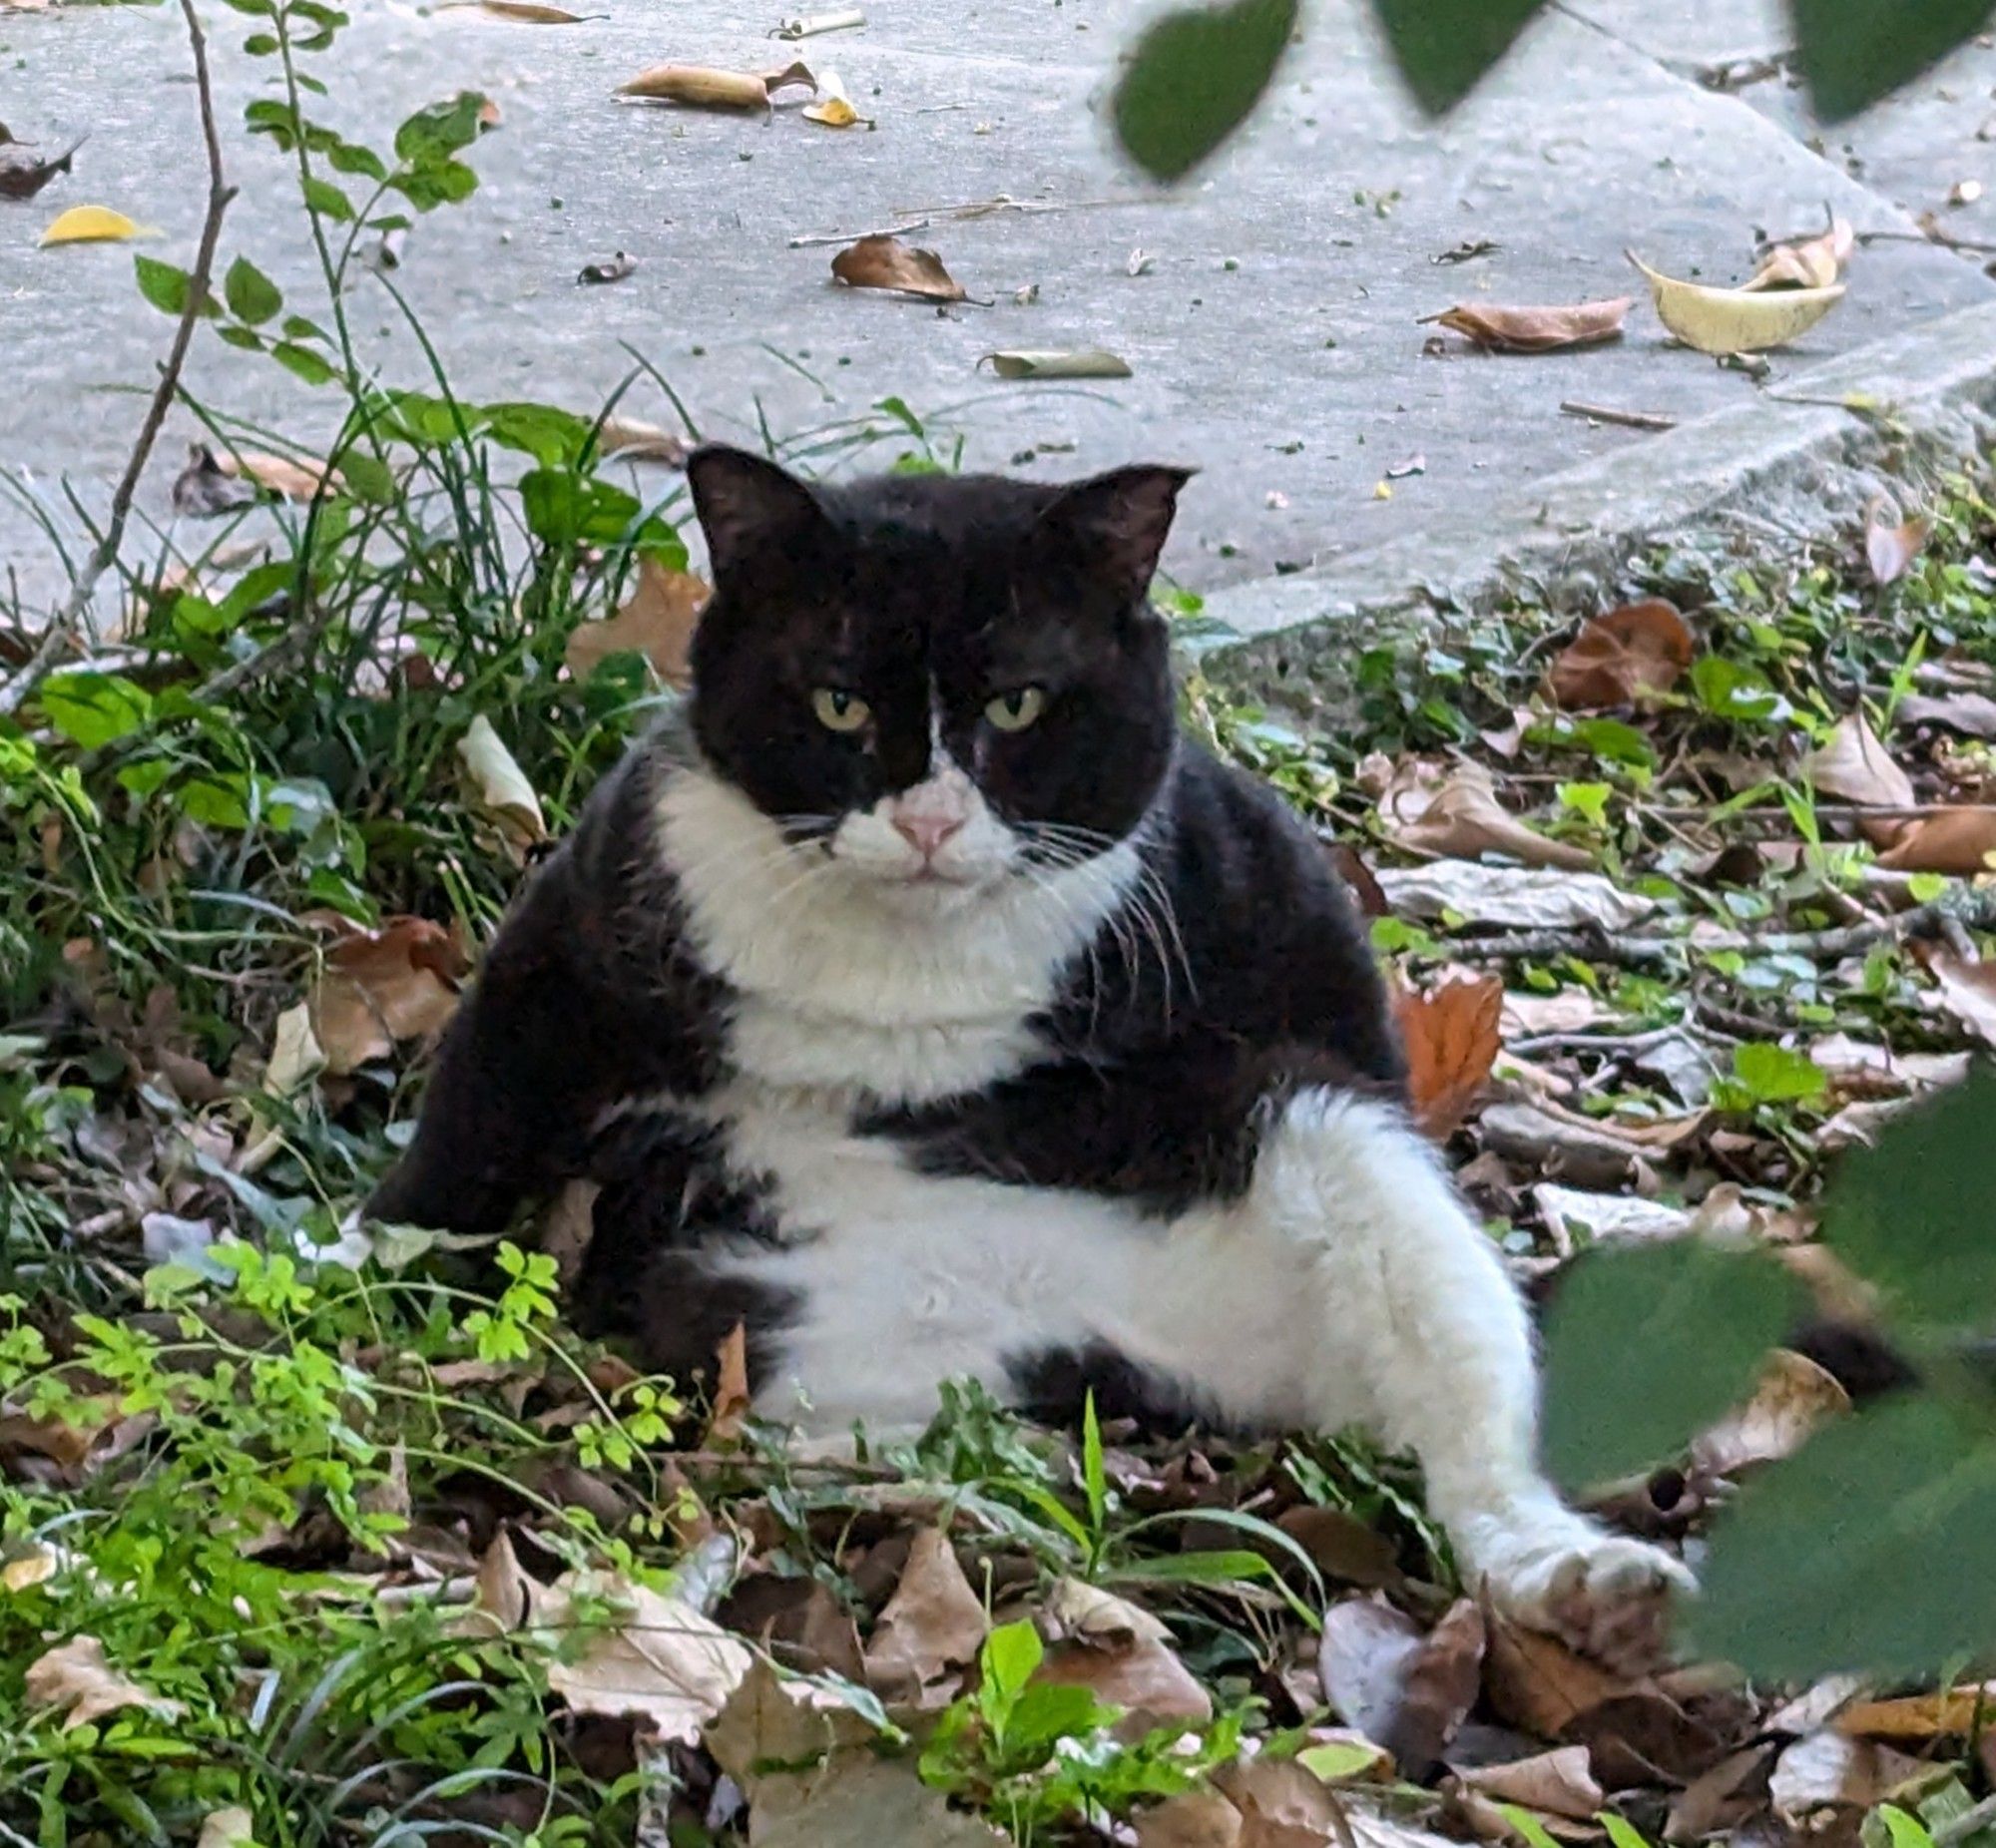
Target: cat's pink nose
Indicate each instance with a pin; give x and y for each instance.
(926, 833)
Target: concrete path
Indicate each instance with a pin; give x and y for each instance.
(1272, 320)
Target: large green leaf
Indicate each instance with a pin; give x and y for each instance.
(251, 295)
(1855, 51)
(1913, 1214)
(1443, 47)
(1647, 1345)
(1193, 79)
(1873, 1546)
(94, 708)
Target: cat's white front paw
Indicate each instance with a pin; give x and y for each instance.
(1603, 1594)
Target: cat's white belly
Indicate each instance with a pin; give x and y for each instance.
(909, 1279)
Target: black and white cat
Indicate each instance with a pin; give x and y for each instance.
(924, 1000)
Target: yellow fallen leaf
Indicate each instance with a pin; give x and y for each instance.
(1814, 264)
(834, 109)
(296, 1053)
(94, 225)
(1734, 320)
(499, 785)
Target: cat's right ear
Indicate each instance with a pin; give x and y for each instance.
(751, 511)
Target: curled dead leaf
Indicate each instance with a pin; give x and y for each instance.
(1405, 1689)
(1826, 1770)
(1972, 714)
(701, 87)
(1535, 330)
(834, 108)
(1815, 262)
(1723, 321)
(1450, 1033)
(1966, 990)
(1952, 1713)
(1087, 363)
(1854, 766)
(1559, 1783)
(629, 440)
(1454, 811)
(731, 1390)
(1529, 897)
(884, 261)
(1891, 545)
(213, 483)
(498, 786)
(1616, 659)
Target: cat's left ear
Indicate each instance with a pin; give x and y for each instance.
(1114, 526)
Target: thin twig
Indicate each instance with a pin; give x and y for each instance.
(63, 625)
(1606, 413)
(1975, 910)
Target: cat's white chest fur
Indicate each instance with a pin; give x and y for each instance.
(906, 1278)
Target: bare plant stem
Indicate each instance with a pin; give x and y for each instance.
(63, 626)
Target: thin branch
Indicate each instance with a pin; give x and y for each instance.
(1974, 910)
(62, 631)
(1607, 413)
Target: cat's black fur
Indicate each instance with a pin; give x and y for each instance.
(1158, 1070)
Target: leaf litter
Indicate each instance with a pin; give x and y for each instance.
(880, 1584)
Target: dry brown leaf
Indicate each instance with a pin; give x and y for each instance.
(1196, 1819)
(1460, 816)
(1142, 1677)
(1341, 1546)
(75, 1677)
(1864, 1069)
(769, 1720)
(931, 1628)
(731, 1390)
(1954, 1712)
(1815, 262)
(1538, 1684)
(1616, 659)
(1567, 1009)
(1944, 840)
(701, 87)
(1855, 767)
(1539, 329)
(664, 1662)
(1719, 1799)
(1403, 1688)
(395, 982)
(1826, 1770)
(296, 1053)
(1967, 991)
(1794, 1398)
(658, 621)
(1451, 1041)
(1973, 714)
(886, 262)
(860, 1801)
(1559, 1783)
(505, 1596)
(1280, 1804)
(1891, 548)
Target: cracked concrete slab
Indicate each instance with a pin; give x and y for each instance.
(1274, 333)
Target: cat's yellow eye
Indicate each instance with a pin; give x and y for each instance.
(1014, 712)
(840, 712)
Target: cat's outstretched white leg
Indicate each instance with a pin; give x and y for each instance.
(1427, 1342)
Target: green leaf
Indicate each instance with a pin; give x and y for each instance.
(1443, 47)
(1855, 51)
(431, 135)
(301, 362)
(247, 338)
(1773, 1074)
(1194, 78)
(427, 188)
(94, 708)
(1647, 1345)
(251, 294)
(325, 198)
(1621, 1831)
(1911, 1213)
(1094, 1474)
(544, 431)
(165, 286)
(351, 157)
(1872, 1548)
(1534, 1832)
(1732, 690)
(567, 509)
(1904, 1831)
(367, 477)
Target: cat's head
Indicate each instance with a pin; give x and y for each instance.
(937, 681)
